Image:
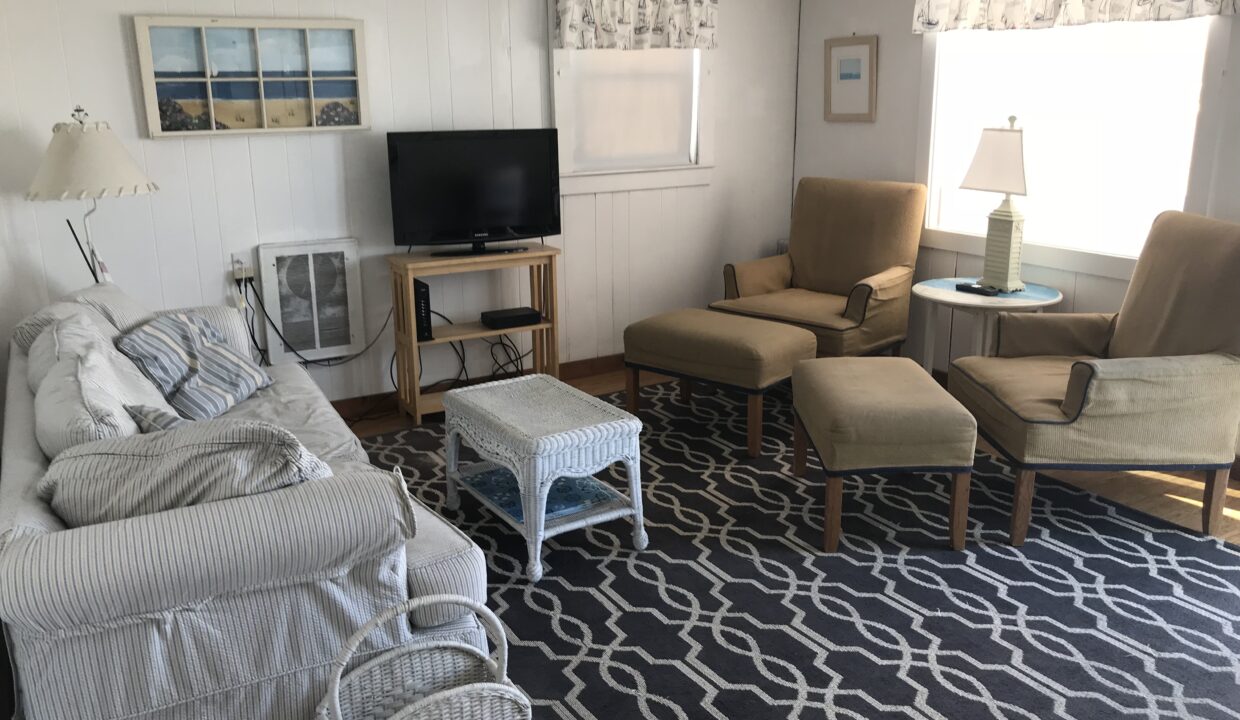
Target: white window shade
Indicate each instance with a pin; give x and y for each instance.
(621, 110)
(1109, 114)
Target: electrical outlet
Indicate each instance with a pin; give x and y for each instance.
(241, 270)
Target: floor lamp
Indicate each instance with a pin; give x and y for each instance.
(86, 161)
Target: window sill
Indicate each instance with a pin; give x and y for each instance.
(608, 181)
(1076, 261)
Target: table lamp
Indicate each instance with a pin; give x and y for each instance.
(86, 161)
(999, 166)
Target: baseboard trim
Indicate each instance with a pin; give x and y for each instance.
(370, 404)
(594, 366)
(365, 405)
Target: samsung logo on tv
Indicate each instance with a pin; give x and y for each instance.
(482, 234)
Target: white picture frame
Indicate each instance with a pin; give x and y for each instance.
(320, 323)
(852, 79)
(238, 76)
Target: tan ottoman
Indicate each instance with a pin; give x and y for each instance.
(739, 352)
(881, 414)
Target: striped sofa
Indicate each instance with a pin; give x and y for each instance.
(231, 609)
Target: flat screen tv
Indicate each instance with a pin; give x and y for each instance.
(474, 187)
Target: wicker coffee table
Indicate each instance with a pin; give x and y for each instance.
(532, 431)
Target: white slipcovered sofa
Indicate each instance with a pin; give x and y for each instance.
(231, 609)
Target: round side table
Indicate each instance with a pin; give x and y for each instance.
(942, 293)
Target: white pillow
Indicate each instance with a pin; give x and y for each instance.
(30, 328)
(204, 462)
(110, 301)
(77, 404)
(66, 337)
(75, 336)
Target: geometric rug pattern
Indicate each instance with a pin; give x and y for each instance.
(734, 611)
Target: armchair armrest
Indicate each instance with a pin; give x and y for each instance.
(890, 284)
(104, 573)
(1064, 334)
(228, 320)
(757, 277)
(1192, 397)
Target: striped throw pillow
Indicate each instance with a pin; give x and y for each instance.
(192, 365)
(152, 419)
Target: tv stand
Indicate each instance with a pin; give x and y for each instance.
(480, 248)
(542, 263)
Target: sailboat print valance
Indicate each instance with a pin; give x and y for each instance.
(636, 24)
(939, 15)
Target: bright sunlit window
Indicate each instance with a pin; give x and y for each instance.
(621, 110)
(1109, 113)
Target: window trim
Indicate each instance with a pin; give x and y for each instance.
(607, 181)
(588, 182)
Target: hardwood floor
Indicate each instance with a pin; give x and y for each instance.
(1174, 497)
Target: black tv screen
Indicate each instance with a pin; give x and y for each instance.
(474, 186)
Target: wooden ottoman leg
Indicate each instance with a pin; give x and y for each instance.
(686, 391)
(1022, 507)
(833, 518)
(632, 389)
(1215, 499)
(755, 425)
(800, 446)
(959, 521)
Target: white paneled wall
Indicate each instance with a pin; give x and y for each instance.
(633, 254)
(433, 64)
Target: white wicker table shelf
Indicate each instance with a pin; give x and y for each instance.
(541, 430)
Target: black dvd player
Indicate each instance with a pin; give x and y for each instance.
(511, 318)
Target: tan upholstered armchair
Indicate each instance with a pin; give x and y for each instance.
(848, 273)
(1155, 387)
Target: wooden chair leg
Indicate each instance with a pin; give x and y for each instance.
(800, 446)
(959, 520)
(632, 389)
(686, 391)
(755, 425)
(1214, 500)
(833, 514)
(1022, 507)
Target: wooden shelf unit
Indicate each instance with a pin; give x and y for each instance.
(542, 261)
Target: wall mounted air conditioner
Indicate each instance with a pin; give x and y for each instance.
(313, 295)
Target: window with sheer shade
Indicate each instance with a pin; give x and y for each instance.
(1109, 114)
(624, 110)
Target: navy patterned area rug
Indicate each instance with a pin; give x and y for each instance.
(734, 611)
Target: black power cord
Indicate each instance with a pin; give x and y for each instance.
(305, 360)
(513, 363)
(458, 348)
(244, 293)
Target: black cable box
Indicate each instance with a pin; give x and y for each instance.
(511, 318)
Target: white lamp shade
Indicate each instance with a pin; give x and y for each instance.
(87, 161)
(999, 165)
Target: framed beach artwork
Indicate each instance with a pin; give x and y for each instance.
(852, 79)
(206, 75)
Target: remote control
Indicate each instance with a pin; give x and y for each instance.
(977, 289)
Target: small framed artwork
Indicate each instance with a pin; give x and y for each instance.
(216, 75)
(852, 79)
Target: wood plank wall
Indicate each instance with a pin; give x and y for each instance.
(433, 64)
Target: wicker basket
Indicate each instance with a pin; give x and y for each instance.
(441, 680)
